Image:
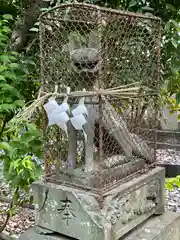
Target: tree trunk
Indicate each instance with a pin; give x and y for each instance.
(20, 34)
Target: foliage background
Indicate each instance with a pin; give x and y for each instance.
(19, 74)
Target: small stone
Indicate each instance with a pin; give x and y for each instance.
(113, 219)
(13, 236)
(147, 230)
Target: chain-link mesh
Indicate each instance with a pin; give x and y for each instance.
(114, 57)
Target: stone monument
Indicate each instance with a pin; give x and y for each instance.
(100, 71)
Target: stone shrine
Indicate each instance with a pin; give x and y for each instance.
(101, 180)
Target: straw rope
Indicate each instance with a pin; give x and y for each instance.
(129, 92)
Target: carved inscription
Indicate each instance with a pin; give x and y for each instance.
(66, 210)
(128, 207)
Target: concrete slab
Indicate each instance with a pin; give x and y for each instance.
(164, 227)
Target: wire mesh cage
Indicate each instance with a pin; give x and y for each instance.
(105, 65)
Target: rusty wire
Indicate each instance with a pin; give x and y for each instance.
(87, 47)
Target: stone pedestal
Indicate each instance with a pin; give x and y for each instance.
(164, 227)
(93, 215)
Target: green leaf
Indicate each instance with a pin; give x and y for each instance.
(3, 68)
(171, 180)
(18, 103)
(13, 65)
(174, 42)
(2, 78)
(174, 181)
(4, 58)
(169, 186)
(25, 70)
(34, 29)
(6, 29)
(6, 107)
(146, 8)
(132, 3)
(31, 62)
(178, 177)
(4, 21)
(15, 164)
(167, 26)
(9, 88)
(6, 147)
(10, 75)
(178, 98)
(27, 163)
(171, 7)
(177, 183)
(8, 16)
(175, 24)
(32, 127)
(27, 137)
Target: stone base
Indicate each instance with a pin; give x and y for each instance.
(108, 215)
(164, 227)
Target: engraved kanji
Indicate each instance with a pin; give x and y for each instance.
(66, 210)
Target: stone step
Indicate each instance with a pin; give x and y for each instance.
(164, 227)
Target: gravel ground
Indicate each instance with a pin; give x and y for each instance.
(22, 220)
(173, 200)
(168, 156)
(18, 223)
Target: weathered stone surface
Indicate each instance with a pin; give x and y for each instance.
(164, 227)
(31, 234)
(109, 215)
(96, 179)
